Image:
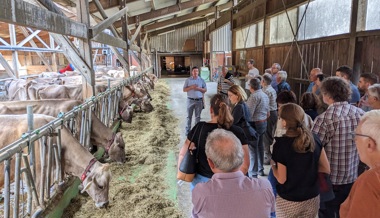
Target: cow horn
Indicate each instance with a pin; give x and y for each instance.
(86, 187)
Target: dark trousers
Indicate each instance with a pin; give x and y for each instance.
(268, 136)
(331, 208)
(257, 152)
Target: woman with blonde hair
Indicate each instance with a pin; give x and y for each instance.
(297, 158)
(220, 118)
(240, 113)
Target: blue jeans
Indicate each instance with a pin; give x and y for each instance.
(193, 106)
(256, 151)
(197, 179)
(273, 182)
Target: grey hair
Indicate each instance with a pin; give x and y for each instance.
(370, 122)
(278, 66)
(225, 150)
(283, 75)
(374, 90)
(267, 78)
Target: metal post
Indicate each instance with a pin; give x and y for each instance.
(17, 185)
(32, 151)
(7, 187)
(48, 168)
(43, 167)
(59, 147)
(12, 35)
(31, 185)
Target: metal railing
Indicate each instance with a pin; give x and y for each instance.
(105, 105)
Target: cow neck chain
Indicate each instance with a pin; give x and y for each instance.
(110, 142)
(84, 175)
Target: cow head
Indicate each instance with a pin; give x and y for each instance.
(116, 151)
(97, 183)
(146, 106)
(126, 114)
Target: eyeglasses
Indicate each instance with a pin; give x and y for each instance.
(354, 134)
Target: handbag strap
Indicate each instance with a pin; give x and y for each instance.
(199, 140)
(192, 137)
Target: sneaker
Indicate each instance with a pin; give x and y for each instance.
(261, 173)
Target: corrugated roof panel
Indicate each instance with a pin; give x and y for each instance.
(221, 39)
(174, 41)
(158, 4)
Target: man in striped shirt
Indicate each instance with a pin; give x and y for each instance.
(225, 81)
(272, 120)
(258, 105)
(334, 128)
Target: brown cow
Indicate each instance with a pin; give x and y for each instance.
(101, 135)
(75, 159)
(61, 91)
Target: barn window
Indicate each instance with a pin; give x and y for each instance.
(279, 27)
(373, 15)
(250, 36)
(324, 18)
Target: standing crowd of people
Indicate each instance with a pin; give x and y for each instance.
(316, 149)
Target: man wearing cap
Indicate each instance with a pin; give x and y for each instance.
(195, 87)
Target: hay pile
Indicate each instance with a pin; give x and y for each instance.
(145, 186)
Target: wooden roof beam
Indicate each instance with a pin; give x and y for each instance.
(108, 22)
(169, 10)
(46, 20)
(106, 4)
(175, 20)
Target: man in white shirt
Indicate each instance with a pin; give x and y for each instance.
(252, 73)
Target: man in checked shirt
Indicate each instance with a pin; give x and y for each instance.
(334, 128)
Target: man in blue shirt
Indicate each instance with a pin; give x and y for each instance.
(195, 87)
(276, 67)
(346, 73)
(313, 77)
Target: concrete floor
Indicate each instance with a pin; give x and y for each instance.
(178, 102)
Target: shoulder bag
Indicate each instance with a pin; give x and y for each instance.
(187, 168)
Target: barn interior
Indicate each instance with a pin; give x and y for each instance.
(166, 38)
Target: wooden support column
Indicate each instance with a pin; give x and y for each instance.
(12, 35)
(124, 29)
(352, 45)
(138, 38)
(53, 55)
(263, 42)
(121, 58)
(85, 51)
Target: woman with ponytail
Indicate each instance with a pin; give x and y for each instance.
(297, 158)
(220, 118)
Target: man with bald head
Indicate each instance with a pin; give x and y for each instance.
(313, 77)
(230, 193)
(363, 200)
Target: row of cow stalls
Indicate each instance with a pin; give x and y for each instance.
(32, 178)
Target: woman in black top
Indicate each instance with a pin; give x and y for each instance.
(220, 118)
(297, 158)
